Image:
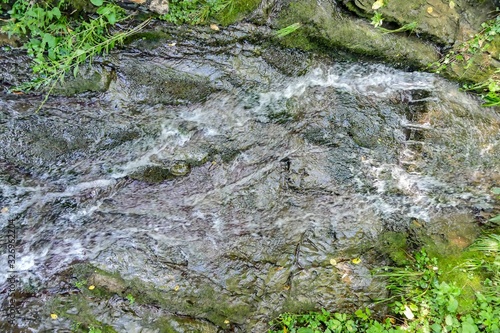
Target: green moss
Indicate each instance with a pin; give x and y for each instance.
(79, 310)
(206, 302)
(449, 247)
(105, 284)
(394, 245)
(299, 40)
(183, 324)
(224, 12)
(224, 153)
(223, 313)
(297, 12)
(158, 174)
(88, 80)
(469, 282)
(163, 326)
(448, 244)
(352, 7)
(322, 28)
(451, 260)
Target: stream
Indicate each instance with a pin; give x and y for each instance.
(223, 178)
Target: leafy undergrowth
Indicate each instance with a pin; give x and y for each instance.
(203, 11)
(61, 38)
(421, 300)
(60, 42)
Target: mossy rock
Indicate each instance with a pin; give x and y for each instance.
(446, 239)
(395, 246)
(324, 27)
(6, 41)
(89, 79)
(444, 22)
(159, 173)
(476, 68)
(147, 82)
(184, 325)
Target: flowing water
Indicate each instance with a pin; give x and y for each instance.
(225, 180)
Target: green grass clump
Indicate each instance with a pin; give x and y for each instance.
(236, 10)
(192, 11)
(202, 11)
(288, 30)
(421, 299)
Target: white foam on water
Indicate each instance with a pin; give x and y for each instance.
(98, 183)
(372, 80)
(368, 80)
(169, 139)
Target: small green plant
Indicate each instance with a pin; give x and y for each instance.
(131, 299)
(489, 245)
(325, 321)
(75, 326)
(194, 11)
(93, 329)
(288, 30)
(377, 19)
(202, 11)
(80, 284)
(490, 88)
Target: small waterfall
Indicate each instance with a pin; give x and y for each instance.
(205, 194)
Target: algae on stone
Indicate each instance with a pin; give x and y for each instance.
(324, 27)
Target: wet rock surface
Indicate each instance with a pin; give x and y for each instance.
(430, 29)
(446, 22)
(266, 171)
(326, 25)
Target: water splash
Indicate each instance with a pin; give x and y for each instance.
(332, 158)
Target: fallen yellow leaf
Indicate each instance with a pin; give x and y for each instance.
(53, 316)
(429, 10)
(5, 209)
(452, 4)
(356, 261)
(333, 262)
(286, 287)
(226, 321)
(176, 288)
(214, 27)
(92, 287)
(377, 4)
